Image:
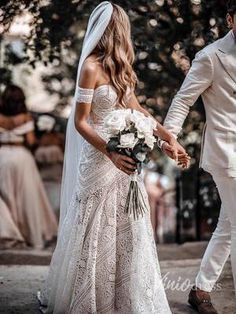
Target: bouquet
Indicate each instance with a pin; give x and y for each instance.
(130, 133)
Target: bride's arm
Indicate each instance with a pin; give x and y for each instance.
(160, 131)
(88, 80)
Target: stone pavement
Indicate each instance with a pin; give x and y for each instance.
(189, 250)
(19, 283)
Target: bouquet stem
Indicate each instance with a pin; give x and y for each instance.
(135, 204)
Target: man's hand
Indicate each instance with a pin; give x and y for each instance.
(177, 152)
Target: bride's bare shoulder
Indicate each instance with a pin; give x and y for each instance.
(90, 65)
(89, 71)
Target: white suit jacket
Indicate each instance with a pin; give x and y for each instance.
(213, 76)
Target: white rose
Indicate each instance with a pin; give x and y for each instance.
(140, 135)
(150, 140)
(141, 156)
(136, 116)
(144, 127)
(127, 115)
(115, 122)
(128, 140)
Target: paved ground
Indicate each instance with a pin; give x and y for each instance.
(22, 273)
(168, 252)
(19, 284)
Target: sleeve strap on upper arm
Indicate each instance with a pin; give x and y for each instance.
(84, 95)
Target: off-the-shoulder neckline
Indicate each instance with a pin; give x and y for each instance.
(103, 85)
(98, 87)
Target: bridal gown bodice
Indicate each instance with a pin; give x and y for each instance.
(104, 262)
(101, 169)
(103, 102)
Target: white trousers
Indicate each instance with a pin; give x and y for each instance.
(223, 240)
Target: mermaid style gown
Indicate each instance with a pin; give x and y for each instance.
(104, 262)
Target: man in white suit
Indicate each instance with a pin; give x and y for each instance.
(213, 76)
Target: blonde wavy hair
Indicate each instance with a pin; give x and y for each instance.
(116, 54)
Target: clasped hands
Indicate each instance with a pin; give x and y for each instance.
(172, 149)
(176, 152)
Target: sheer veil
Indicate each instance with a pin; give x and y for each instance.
(98, 22)
(59, 284)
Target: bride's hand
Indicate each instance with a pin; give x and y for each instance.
(175, 151)
(123, 163)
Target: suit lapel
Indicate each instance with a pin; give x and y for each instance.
(227, 54)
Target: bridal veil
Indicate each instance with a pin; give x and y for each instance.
(57, 294)
(98, 22)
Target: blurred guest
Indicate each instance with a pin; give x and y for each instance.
(49, 157)
(10, 235)
(160, 194)
(155, 194)
(51, 144)
(21, 187)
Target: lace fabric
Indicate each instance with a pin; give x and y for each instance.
(84, 95)
(104, 262)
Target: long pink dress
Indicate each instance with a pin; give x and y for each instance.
(9, 233)
(23, 193)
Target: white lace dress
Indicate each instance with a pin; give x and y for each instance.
(105, 261)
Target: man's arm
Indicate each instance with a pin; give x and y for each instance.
(198, 79)
(176, 150)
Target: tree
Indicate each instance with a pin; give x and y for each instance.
(166, 36)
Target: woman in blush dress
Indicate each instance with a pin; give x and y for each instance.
(104, 261)
(24, 200)
(10, 235)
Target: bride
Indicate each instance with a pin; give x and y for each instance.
(104, 261)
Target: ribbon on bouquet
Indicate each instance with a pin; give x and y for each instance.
(135, 204)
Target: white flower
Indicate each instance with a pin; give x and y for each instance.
(45, 123)
(128, 140)
(144, 125)
(119, 120)
(136, 116)
(141, 156)
(115, 121)
(150, 140)
(140, 135)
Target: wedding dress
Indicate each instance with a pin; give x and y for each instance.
(104, 261)
(108, 261)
